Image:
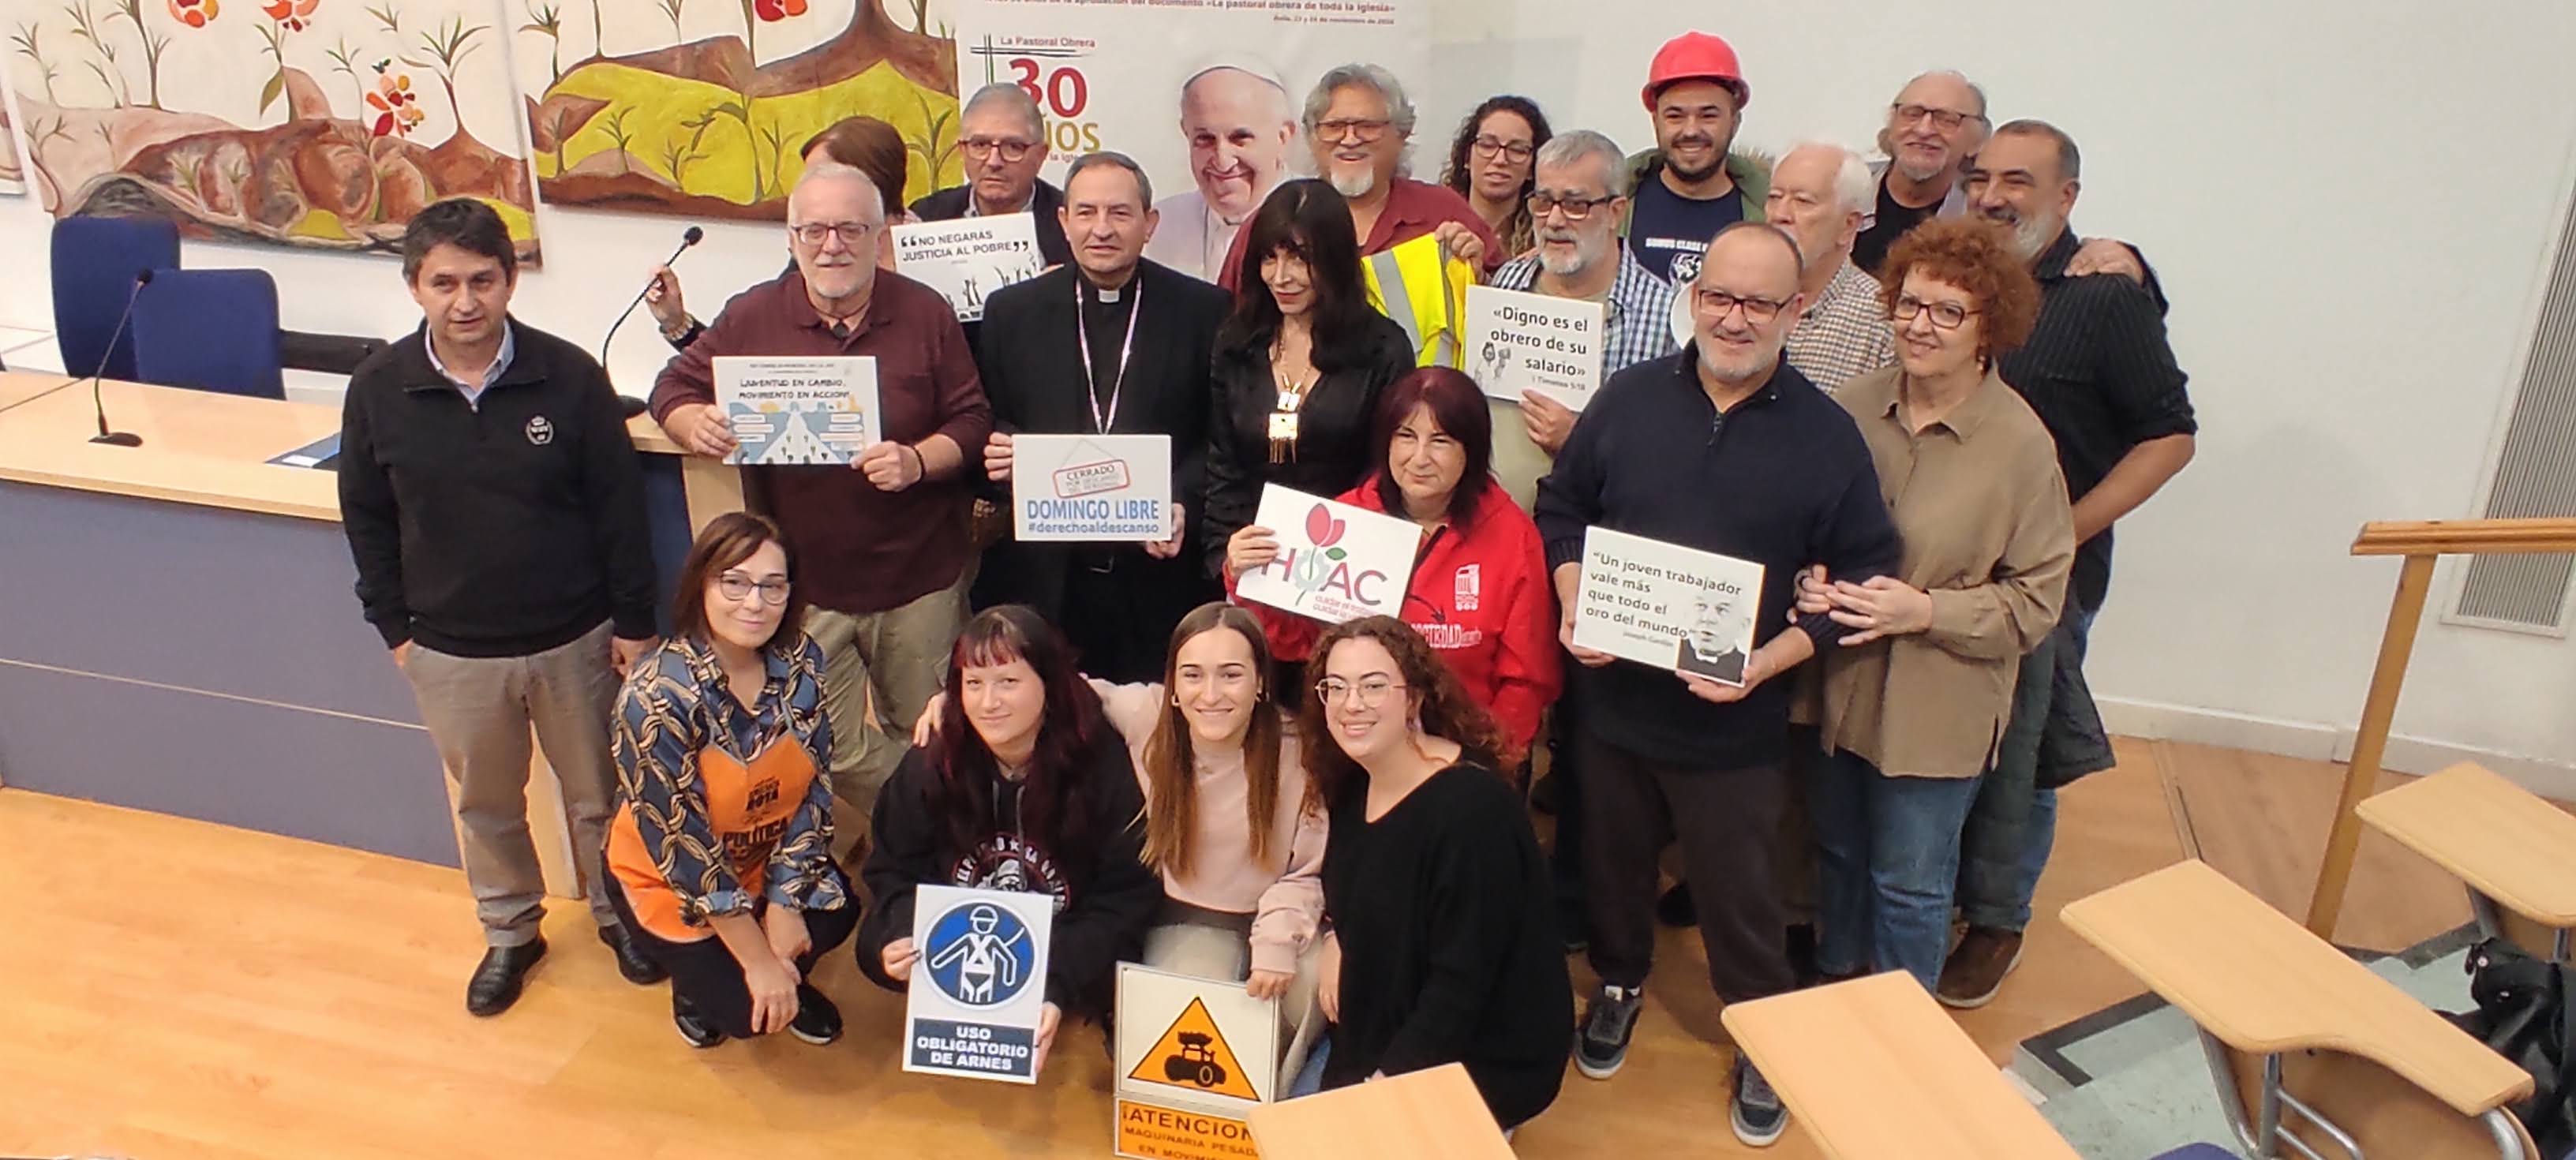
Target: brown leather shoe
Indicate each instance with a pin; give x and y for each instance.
(1976, 969)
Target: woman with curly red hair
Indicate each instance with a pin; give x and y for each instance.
(1917, 692)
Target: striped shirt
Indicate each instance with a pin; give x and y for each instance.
(2101, 374)
(1845, 334)
(1637, 327)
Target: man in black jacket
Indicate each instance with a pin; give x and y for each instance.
(1004, 140)
(1109, 344)
(495, 509)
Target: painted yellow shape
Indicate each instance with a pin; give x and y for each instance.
(523, 225)
(321, 224)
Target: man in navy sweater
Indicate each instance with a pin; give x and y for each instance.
(1723, 448)
(495, 510)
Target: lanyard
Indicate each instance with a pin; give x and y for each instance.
(1100, 420)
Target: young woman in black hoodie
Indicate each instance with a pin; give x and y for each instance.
(1024, 788)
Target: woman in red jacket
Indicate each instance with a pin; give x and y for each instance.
(1480, 591)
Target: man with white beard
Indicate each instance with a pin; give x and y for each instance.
(1575, 207)
(1236, 121)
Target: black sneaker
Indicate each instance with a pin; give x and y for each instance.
(1757, 1116)
(1675, 908)
(695, 1030)
(1609, 1021)
(632, 962)
(817, 1021)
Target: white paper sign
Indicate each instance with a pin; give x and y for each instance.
(977, 992)
(798, 410)
(1667, 606)
(1069, 488)
(1531, 342)
(1336, 562)
(968, 258)
(1202, 1052)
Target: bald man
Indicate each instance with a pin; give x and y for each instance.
(1238, 126)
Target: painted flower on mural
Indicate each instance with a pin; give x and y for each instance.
(291, 13)
(193, 13)
(397, 107)
(773, 11)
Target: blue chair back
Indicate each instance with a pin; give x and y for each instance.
(95, 260)
(213, 330)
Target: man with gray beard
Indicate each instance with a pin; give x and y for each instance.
(1575, 208)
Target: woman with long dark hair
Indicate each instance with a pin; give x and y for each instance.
(1480, 592)
(1025, 787)
(1299, 363)
(1438, 951)
(1493, 164)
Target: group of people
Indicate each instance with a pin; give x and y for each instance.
(1908, 391)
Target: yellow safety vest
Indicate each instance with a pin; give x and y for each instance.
(1424, 290)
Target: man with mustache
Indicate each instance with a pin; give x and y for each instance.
(1690, 186)
(1236, 120)
(1723, 448)
(884, 540)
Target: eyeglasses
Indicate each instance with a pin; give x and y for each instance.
(1576, 208)
(1716, 304)
(737, 587)
(1945, 119)
(1512, 151)
(1361, 129)
(813, 233)
(1014, 152)
(1945, 315)
(1372, 690)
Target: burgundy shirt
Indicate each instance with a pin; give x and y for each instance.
(1413, 208)
(863, 550)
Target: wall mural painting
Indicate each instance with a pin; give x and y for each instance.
(13, 174)
(322, 124)
(698, 107)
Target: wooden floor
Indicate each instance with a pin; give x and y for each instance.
(171, 989)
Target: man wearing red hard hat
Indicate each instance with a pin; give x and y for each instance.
(1691, 185)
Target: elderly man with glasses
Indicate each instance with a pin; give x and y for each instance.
(1003, 138)
(884, 541)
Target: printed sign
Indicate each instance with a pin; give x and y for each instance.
(980, 986)
(1195, 1056)
(1531, 342)
(1667, 606)
(968, 258)
(1336, 562)
(1092, 487)
(798, 410)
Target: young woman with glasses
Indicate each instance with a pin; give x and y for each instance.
(1492, 164)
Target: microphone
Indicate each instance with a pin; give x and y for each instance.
(687, 239)
(142, 278)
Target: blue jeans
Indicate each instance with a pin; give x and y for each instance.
(1887, 859)
(2053, 738)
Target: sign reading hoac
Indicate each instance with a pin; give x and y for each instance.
(1336, 562)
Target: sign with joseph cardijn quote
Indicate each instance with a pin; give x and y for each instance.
(1530, 342)
(1667, 606)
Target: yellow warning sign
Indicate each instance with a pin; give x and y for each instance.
(1192, 1055)
(1157, 1133)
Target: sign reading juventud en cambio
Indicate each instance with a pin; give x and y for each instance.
(1665, 605)
(798, 410)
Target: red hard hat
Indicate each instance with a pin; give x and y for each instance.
(1696, 56)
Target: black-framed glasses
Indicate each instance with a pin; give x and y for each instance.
(1361, 129)
(1944, 119)
(1716, 304)
(737, 587)
(1576, 208)
(1945, 315)
(813, 233)
(1012, 151)
(1372, 691)
(1515, 152)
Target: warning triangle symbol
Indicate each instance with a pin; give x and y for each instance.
(1193, 1056)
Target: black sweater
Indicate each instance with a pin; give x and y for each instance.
(1332, 425)
(1103, 902)
(1448, 951)
(503, 529)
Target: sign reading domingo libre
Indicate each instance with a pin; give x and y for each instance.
(980, 985)
(1336, 562)
(1091, 487)
(1667, 606)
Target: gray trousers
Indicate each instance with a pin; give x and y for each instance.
(890, 662)
(480, 711)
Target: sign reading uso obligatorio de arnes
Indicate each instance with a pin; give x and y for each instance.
(979, 989)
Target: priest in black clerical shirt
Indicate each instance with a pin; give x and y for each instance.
(1111, 344)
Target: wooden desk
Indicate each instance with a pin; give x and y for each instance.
(2503, 841)
(17, 387)
(2262, 984)
(1423, 1115)
(1873, 1069)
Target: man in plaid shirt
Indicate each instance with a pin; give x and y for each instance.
(1575, 209)
(1821, 194)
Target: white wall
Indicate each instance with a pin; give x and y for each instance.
(2350, 205)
